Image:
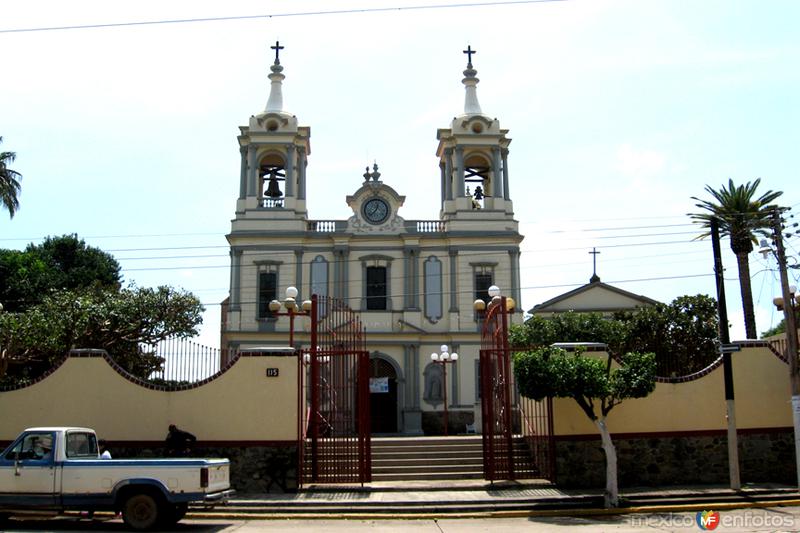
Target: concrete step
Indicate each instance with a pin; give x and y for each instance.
(421, 476)
(422, 462)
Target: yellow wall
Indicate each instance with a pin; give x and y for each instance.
(761, 388)
(245, 405)
(242, 404)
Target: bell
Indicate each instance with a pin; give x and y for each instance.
(273, 191)
(479, 193)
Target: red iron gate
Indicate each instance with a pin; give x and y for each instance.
(495, 368)
(334, 432)
(534, 457)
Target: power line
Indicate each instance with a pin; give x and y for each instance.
(273, 15)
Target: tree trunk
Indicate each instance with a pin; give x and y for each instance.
(612, 489)
(743, 261)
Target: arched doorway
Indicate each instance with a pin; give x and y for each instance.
(383, 396)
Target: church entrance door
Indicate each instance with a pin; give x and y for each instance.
(383, 396)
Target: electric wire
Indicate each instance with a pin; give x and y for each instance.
(274, 15)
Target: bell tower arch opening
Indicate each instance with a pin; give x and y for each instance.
(271, 174)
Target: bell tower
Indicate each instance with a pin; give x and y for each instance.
(473, 159)
(274, 151)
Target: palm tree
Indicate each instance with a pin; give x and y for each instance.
(9, 182)
(741, 217)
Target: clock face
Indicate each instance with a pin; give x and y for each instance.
(376, 211)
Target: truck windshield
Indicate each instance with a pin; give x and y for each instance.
(32, 447)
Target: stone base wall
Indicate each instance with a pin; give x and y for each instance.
(674, 460)
(254, 469)
(433, 422)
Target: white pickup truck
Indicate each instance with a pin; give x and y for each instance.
(56, 469)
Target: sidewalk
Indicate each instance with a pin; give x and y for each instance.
(431, 499)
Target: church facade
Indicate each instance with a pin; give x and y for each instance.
(413, 282)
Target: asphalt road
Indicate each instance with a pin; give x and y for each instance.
(741, 520)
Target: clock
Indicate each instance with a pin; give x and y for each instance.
(376, 211)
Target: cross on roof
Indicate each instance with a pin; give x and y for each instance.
(469, 51)
(594, 253)
(277, 49)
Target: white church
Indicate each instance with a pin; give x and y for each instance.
(413, 282)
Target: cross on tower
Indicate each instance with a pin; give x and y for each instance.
(594, 253)
(277, 49)
(469, 51)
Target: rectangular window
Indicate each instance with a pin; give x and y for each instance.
(267, 291)
(483, 280)
(376, 289)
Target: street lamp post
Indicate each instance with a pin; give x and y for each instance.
(292, 309)
(444, 357)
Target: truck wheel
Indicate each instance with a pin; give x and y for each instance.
(141, 512)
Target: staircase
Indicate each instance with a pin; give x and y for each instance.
(426, 458)
(433, 458)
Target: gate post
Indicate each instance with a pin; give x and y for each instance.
(314, 393)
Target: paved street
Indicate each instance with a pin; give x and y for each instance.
(741, 520)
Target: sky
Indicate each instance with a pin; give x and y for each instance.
(620, 111)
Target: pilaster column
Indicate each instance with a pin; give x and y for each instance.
(513, 258)
(453, 293)
(448, 173)
(497, 183)
(454, 396)
(411, 277)
(302, 162)
(506, 194)
(341, 272)
(442, 185)
(236, 279)
(459, 192)
(243, 173)
(298, 274)
(290, 179)
(252, 171)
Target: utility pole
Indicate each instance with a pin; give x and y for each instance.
(791, 334)
(727, 364)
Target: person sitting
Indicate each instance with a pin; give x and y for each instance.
(179, 442)
(103, 447)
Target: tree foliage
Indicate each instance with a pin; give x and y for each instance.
(58, 263)
(122, 322)
(683, 335)
(550, 372)
(9, 182)
(742, 216)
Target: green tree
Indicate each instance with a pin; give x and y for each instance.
(567, 327)
(58, 263)
(9, 182)
(683, 335)
(549, 372)
(742, 217)
(121, 322)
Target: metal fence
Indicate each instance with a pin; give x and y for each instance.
(187, 361)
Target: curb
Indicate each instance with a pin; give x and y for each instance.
(496, 514)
